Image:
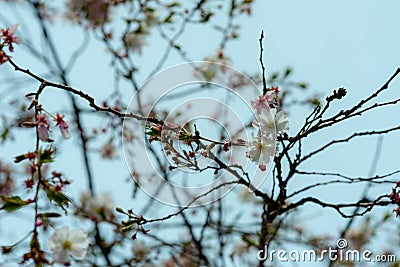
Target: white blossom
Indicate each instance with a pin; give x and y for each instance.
(272, 121)
(261, 149)
(140, 250)
(100, 206)
(151, 18)
(65, 243)
(135, 40)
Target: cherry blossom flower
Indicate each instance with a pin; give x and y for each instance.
(9, 38)
(140, 250)
(108, 151)
(7, 185)
(281, 122)
(151, 18)
(65, 243)
(204, 153)
(272, 121)
(43, 127)
(263, 102)
(265, 121)
(259, 104)
(135, 40)
(187, 258)
(59, 119)
(261, 149)
(97, 11)
(226, 146)
(94, 12)
(100, 206)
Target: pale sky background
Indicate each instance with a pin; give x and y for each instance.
(351, 44)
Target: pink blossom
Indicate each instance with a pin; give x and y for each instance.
(95, 12)
(226, 146)
(108, 151)
(43, 127)
(259, 104)
(59, 119)
(9, 38)
(263, 102)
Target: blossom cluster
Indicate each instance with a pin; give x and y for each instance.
(43, 126)
(7, 38)
(95, 14)
(135, 40)
(269, 121)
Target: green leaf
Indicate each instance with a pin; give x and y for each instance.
(174, 4)
(288, 71)
(58, 197)
(315, 102)
(46, 156)
(208, 74)
(13, 203)
(168, 19)
(28, 124)
(302, 85)
(274, 76)
(386, 217)
(249, 242)
(4, 134)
